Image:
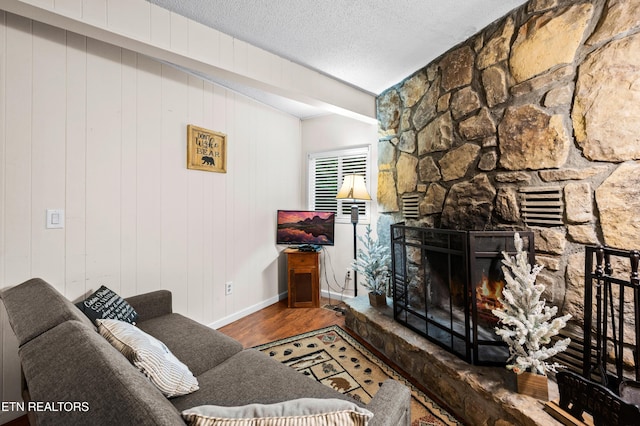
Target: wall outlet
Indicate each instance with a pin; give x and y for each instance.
(228, 288)
(347, 278)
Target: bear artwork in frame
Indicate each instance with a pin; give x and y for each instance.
(206, 150)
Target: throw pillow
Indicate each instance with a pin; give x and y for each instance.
(304, 411)
(150, 356)
(105, 303)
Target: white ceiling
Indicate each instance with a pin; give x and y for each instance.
(369, 44)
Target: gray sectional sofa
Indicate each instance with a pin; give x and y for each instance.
(64, 359)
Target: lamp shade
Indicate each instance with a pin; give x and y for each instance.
(353, 188)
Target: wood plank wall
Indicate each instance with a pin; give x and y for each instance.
(100, 132)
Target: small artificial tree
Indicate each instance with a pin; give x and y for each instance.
(373, 262)
(525, 319)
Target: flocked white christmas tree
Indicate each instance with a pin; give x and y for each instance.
(373, 262)
(526, 321)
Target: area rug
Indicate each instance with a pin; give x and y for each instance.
(334, 358)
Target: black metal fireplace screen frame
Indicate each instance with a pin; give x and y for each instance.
(458, 253)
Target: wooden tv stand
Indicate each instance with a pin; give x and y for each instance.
(303, 278)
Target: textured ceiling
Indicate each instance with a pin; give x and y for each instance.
(370, 44)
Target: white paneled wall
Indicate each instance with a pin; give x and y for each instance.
(101, 132)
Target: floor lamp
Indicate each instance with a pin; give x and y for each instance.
(354, 188)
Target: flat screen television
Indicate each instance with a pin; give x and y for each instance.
(299, 227)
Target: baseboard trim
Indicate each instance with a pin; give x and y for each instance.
(247, 311)
(258, 306)
(335, 296)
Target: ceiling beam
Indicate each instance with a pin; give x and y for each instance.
(294, 82)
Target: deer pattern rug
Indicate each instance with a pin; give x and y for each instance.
(334, 358)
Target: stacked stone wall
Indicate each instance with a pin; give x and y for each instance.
(547, 96)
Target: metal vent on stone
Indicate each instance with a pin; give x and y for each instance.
(410, 209)
(542, 205)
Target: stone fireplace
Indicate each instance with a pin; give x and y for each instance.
(446, 284)
(530, 124)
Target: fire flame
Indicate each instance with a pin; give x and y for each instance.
(487, 294)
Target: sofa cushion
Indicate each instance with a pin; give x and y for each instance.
(35, 306)
(198, 346)
(105, 303)
(297, 412)
(252, 377)
(151, 356)
(72, 362)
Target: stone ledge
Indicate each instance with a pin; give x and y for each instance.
(478, 395)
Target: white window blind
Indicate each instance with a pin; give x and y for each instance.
(326, 172)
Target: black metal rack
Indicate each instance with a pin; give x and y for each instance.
(617, 303)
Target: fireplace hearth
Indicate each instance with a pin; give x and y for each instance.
(446, 283)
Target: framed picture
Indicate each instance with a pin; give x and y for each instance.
(206, 150)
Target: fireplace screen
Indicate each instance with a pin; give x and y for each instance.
(446, 283)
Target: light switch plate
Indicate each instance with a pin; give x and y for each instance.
(55, 218)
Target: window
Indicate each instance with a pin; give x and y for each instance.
(326, 172)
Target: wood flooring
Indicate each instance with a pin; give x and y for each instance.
(278, 321)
